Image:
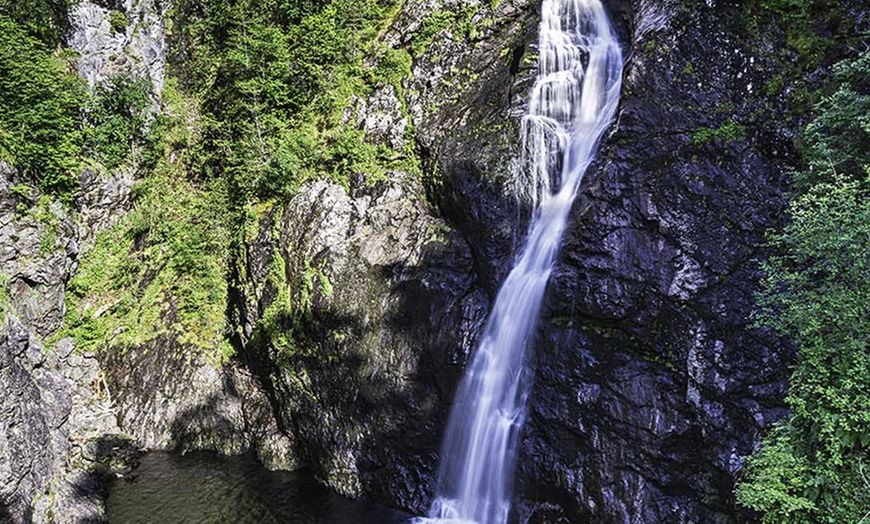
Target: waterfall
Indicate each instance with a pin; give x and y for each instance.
(573, 101)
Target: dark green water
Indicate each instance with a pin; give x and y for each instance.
(201, 488)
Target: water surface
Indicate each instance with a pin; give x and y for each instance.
(202, 488)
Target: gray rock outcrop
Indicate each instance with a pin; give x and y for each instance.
(169, 396)
(125, 37)
(357, 375)
(58, 435)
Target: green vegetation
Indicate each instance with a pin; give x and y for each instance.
(273, 80)
(50, 124)
(118, 21)
(727, 132)
(286, 323)
(814, 466)
(458, 19)
(4, 295)
(45, 20)
(115, 120)
(43, 214)
(40, 103)
(161, 271)
(838, 140)
(816, 34)
(811, 26)
(257, 110)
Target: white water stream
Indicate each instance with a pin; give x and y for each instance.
(573, 102)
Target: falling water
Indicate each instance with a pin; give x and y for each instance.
(573, 101)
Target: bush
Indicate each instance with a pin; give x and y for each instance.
(116, 120)
(45, 20)
(838, 140)
(727, 132)
(118, 21)
(161, 270)
(267, 73)
(49, 121)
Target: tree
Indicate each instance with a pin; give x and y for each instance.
(815, 466)
(40, 111)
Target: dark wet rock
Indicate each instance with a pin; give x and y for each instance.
(466, 97)
(651, 383)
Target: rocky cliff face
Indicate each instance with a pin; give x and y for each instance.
(59, 435)
(651, 383)
(70, 419)
(354, 308)
(394, 295)
(120, 37)
(355, 377)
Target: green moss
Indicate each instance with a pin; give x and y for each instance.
(43, 214)
(457, 21)
(5, 299)
(815, 33)
(727, 132)
(286, 323)
(391, 67)
(21, 191)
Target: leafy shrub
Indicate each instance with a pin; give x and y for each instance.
(116, 119)
(49, 122)
(45, 20)
(269, 73)
(727, 132)
(816, 291)
(432, 25)
(118, 21)
(838, 140)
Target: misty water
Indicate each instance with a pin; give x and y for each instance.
(204, 488)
